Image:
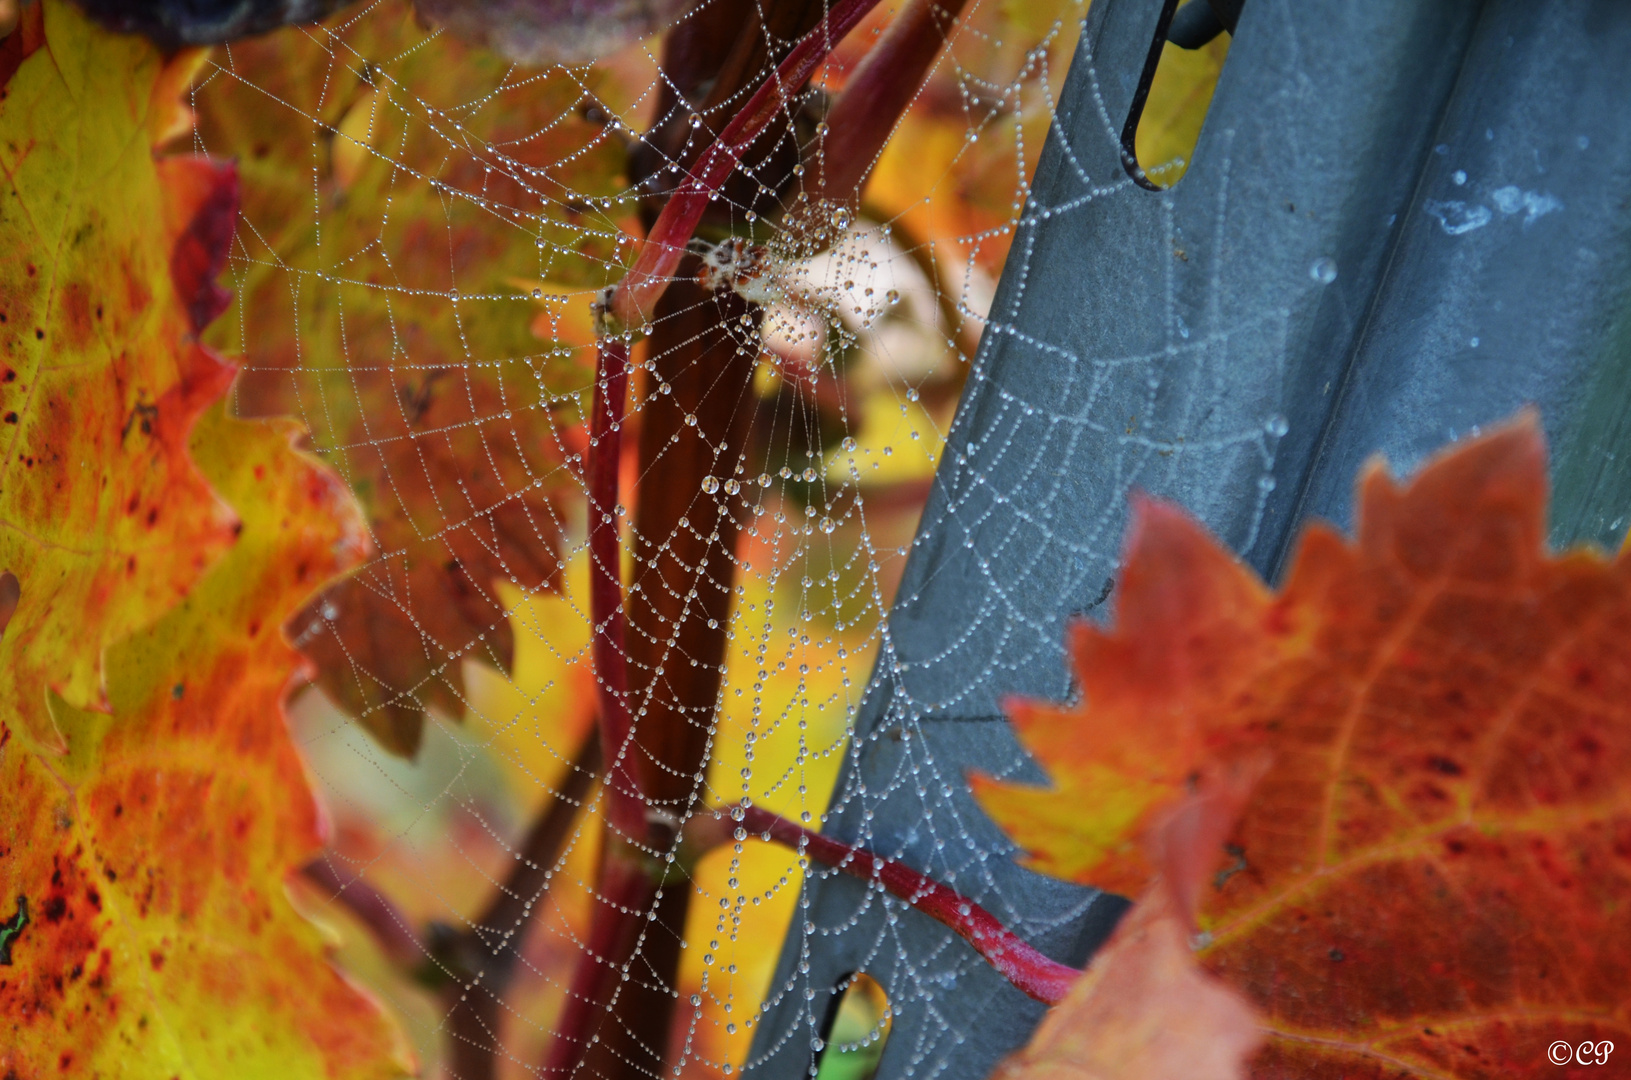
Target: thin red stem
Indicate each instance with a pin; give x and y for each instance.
(665, 246)
(1036, 975)
(624, 807)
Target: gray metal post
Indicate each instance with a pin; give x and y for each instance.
(1403, 220)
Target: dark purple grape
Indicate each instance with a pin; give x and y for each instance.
(174, 23)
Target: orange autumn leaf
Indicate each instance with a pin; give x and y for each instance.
(152, 856)
(1433, 878)
(151, 801)
(1131, 748)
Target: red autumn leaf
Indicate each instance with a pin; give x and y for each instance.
(151, 801)
(1434, 876)
(387, 300)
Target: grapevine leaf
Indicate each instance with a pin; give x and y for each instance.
(396, 318)
(146, 841)
(107, 279)
(153, 853)
(1132, 747)
(1434, 876)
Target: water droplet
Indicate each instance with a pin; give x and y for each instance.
(828, 525)
(911, 395)
(732, 487)
(1265, 483)
(893, 296)
(849, 444)
(664, 388)
(1276, 425)
(690, 419)
(786, 473)
(764, 479)
(809, 476)
(537, 294)
(1324, 270)
(710, 484)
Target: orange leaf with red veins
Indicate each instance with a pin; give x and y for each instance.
(1132, 747)
(144, 845)
(1145, 1010)
(1433, 878)
(106, 280)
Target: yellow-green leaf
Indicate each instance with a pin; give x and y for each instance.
(151, 801)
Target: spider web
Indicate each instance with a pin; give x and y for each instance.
(424, 228)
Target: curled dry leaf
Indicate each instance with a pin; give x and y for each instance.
(1434, 876)
(149, 819)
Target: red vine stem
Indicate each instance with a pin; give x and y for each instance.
(624, 808)
(638, 292)
(1036, 975)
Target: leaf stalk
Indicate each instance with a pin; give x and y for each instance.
(1034, 974)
